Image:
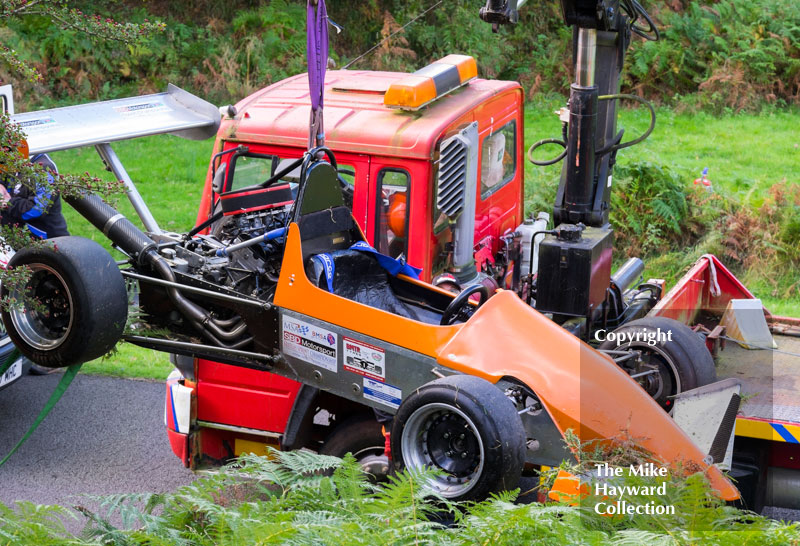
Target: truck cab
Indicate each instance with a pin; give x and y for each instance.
(387, 149)
(390, 156)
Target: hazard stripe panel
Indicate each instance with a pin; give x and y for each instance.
(766, 430)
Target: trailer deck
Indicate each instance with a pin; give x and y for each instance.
(770, 380)
(770, 408)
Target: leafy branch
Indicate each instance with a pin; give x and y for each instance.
(15, 167)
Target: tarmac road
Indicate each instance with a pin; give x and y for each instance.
(104, 436)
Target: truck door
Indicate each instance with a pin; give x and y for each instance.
(500, 194)
(397, 197)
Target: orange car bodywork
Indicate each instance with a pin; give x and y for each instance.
(580, 388)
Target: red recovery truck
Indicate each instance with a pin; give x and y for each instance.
(290, 331)
(390, 159)
(397, 139)
(215, 411)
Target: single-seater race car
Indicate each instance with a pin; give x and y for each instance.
(281, 279)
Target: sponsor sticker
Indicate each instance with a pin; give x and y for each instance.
(32, 126)
(382, 393)
(310, 343)
(364, 359)
(141, 109)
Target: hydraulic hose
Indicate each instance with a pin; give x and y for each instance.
(644, 135)
(613, 147)
(545, 163)
(561, 142)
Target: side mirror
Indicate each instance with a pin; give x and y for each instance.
(218, 183)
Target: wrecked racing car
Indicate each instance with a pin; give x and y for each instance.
(281, 279)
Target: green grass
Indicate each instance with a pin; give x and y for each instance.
(745, 154)
(780, 306)
(128, 360)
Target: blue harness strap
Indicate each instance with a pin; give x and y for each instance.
(327, 264)
(394, 266)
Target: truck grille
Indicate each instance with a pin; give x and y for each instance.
(452, 176)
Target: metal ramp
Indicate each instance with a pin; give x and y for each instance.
(176, 112)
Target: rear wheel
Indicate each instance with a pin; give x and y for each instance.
(362, 436)
(681, 362)
(467, 429)
(73, 307)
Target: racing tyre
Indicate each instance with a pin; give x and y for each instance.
(465, 427)
(362, 436)
(684, 362)
(80, 300)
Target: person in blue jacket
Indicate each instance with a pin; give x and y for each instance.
(39, 210)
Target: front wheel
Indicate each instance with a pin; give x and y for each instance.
(465, 428)
(677, 355)
(73, 306)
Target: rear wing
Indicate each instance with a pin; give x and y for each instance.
(176, 112)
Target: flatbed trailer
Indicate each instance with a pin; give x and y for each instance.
(767, 434)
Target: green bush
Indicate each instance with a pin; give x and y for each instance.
(650, 211)
(735, 54)
(286, 500)
(732, 54)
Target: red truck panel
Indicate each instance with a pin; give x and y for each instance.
(244, 398)
(355, 116)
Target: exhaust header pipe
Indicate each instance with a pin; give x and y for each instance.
(114, 225)
(144, 250)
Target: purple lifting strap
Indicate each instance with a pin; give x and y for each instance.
(317, 45)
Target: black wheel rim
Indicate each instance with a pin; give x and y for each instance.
(44, 324)
(663, 384)
(443, 437)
